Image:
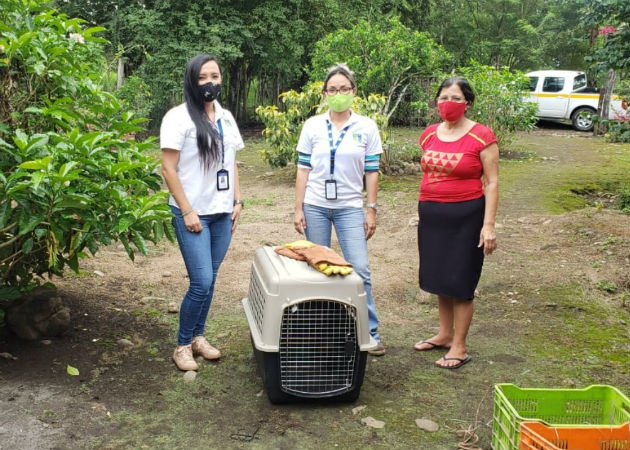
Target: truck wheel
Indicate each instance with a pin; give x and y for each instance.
(582, 119)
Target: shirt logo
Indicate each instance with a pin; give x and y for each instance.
(439, 165)
(357, 137)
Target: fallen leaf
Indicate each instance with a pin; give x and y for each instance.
(72, 370)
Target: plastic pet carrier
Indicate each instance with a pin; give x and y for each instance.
(309, 331)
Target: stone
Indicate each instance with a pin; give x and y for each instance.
(173, 308)
(37, 315)
(167, 274)
(190, 376)
(358, 409)
(125, 343)
(99, 273)
(427, 425)
(372, 422)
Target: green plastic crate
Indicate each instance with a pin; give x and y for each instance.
(595, 405)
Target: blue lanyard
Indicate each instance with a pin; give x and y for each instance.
(222, 148)
(334, 147)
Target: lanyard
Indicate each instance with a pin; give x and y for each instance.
(334, 147)
(222, 147)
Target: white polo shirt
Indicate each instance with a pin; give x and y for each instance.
(178, 132)
(361, 141)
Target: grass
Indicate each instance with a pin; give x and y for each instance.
(562, 331)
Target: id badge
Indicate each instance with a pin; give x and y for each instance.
(223, 180)
(331, 189)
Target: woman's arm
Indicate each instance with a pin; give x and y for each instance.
(371, 189)
(236, 213)
(299, 222)
(170, 158)
(490, 162)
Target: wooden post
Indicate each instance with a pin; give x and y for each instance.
(121, 73)
(603, 107)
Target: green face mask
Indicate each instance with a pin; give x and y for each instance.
(340, 102)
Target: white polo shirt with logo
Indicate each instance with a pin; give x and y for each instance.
(361, 141)
(178, 132)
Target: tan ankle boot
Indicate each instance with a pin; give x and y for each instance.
(183, 357)
(200, 346)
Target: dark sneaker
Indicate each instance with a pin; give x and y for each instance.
(379, 350)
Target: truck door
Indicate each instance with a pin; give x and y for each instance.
(531, 97)
(552, 102)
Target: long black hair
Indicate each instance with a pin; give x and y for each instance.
(208, 138)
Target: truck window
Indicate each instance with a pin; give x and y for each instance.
(579, 82)
(553, 84)
(533, 82)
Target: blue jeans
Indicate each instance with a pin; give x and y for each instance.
(203, 253)
(349, 227)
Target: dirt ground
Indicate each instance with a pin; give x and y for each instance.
(552, 310)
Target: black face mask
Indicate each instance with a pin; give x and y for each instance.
(209, 91)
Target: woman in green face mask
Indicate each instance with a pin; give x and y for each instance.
(336, 149)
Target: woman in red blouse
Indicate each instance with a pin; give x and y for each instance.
(457, 206)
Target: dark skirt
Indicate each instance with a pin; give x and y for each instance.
(448, 235)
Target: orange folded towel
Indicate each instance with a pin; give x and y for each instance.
(320, 257)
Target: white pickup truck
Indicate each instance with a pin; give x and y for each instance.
(564, 95)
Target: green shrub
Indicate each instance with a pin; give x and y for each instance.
(136, 96)
(617, 131)
(282, 128)
(499, 102)
(71, 178)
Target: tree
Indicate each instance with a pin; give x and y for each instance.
(72, 176)
(607, 21)
(388, 58)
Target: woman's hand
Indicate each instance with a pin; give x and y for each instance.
(299, 221)
(193, 224)
(488, 239)
(370, 223)
(236, 214)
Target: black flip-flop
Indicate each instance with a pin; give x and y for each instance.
(433, 345)
(462, 361)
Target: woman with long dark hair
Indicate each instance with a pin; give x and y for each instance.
(458, 201)
(199, 140)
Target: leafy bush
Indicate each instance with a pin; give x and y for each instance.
(136, 96)
(388, 58)
(499, 102)
(71, 179)
(282, 128)
(617, 131)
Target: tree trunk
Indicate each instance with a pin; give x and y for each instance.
(603, 107)
(121, 73)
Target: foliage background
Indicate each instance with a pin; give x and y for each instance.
(270, 46)
(72, 175)
(76, 171)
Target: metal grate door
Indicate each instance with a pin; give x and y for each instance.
(318, 348)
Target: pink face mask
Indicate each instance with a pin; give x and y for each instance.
(452, 111)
